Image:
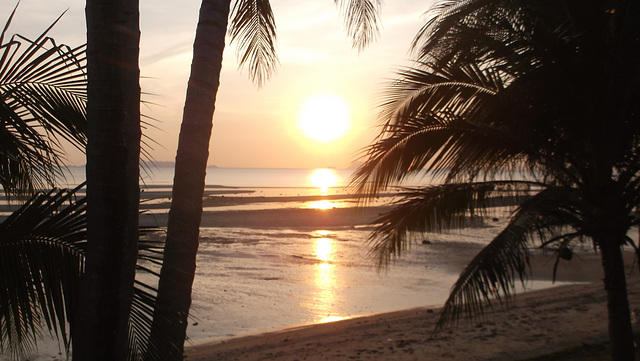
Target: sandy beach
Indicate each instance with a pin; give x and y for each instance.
(287, 216)
(278, 218)
(262, 270)
(539, 322)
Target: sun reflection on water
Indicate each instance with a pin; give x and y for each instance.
(325, 279)
(323, 204)
(323, 250)
(324, 179)
(332, 319)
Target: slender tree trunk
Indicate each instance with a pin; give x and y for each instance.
(178, 269)
(615, 284)
(100, 328)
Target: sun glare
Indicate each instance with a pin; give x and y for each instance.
(323, 204)
(323, 249)
(324, 118)
(324, 179)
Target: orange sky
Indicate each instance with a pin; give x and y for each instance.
(255, 127)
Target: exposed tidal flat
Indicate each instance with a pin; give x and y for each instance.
(288, 264)
(269, 262)
(273, 261)
(284, 256)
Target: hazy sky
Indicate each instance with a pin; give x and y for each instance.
(254, 127)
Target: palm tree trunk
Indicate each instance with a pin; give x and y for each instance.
(178, 269)
(615, 284)
(100, 327)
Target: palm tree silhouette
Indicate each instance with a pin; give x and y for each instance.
(101, 323)
(42, 246)
(43, 242)
(537, 102)
(253, 26)
(42, 104)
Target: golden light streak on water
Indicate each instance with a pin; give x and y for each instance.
(323, 250)
(325, 279)
(323, 204)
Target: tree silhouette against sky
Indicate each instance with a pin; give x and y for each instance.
(533, 101)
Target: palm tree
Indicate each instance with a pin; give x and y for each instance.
(178, 269)
(100, 328)
(42, 247)
(43, 242)
(253, 27)
(42, 103)
(533, 102)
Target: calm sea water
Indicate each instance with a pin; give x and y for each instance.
(250, 281)
(255, 280)
(239, 177)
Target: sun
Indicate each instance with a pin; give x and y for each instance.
(324, 118)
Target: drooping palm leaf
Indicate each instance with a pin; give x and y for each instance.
(42, 245)
(144, 297)
(551, 215)
(253, 26)
(362, 20)
(491, 273)
(450, 121)
(439, 208)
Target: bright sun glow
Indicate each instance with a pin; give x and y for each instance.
(324, 118)
(324, 179)
(323, 204)
(323, 249)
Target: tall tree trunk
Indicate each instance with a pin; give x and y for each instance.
(100, 328)
(178, 269)
(615, 284)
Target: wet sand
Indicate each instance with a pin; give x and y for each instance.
(539, 322)
(288, 215)
(279, 218)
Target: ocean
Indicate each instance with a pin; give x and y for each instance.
(252, 279)
(282, 178)
(256, 279)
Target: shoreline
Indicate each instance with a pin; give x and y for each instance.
(531, 326)
(538, 322)
(267, 211)
(291, 218)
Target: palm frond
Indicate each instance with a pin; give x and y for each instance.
(550, 214)
(144, 296)
(42, 103)
(253, 26)
(467, 120)
(492, 273)
(441, 144)
(362, 20)
(428, 117)
(42, 245)
(439, 208)
(473, 30)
